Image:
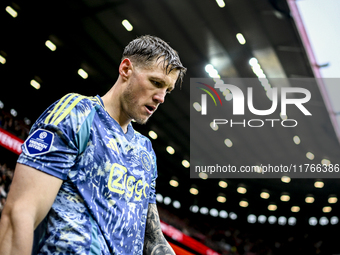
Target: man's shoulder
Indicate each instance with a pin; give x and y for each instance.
(76, 101)
(69, 106)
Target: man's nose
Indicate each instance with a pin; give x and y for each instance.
(160, 96)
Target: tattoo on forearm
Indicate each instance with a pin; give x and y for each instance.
(154, 241)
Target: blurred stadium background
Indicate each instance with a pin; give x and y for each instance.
(51, 48)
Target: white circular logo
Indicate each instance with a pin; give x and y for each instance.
(146, 160)
(43, 135)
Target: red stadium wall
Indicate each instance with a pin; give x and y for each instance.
(179, 251)
(10, 142)
(187, 241)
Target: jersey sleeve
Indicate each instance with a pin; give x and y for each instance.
(54, 140)
(152, 195)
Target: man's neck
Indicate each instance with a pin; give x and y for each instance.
(112, 105)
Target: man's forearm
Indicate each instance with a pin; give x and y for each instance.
(154, 242)
(16, 235)
(29, 200)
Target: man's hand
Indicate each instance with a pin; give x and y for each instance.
(31, 196)
(154, 241)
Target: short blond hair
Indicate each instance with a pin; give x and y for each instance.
(146, 49)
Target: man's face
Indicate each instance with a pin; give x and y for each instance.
(147, 89)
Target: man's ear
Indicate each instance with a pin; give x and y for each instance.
(125, 68)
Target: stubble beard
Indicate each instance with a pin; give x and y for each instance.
(132, 106)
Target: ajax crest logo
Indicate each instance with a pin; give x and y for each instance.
(40, 142)
(145, 159)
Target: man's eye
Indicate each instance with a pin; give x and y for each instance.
(157, 84)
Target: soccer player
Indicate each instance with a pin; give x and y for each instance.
(85, 176)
